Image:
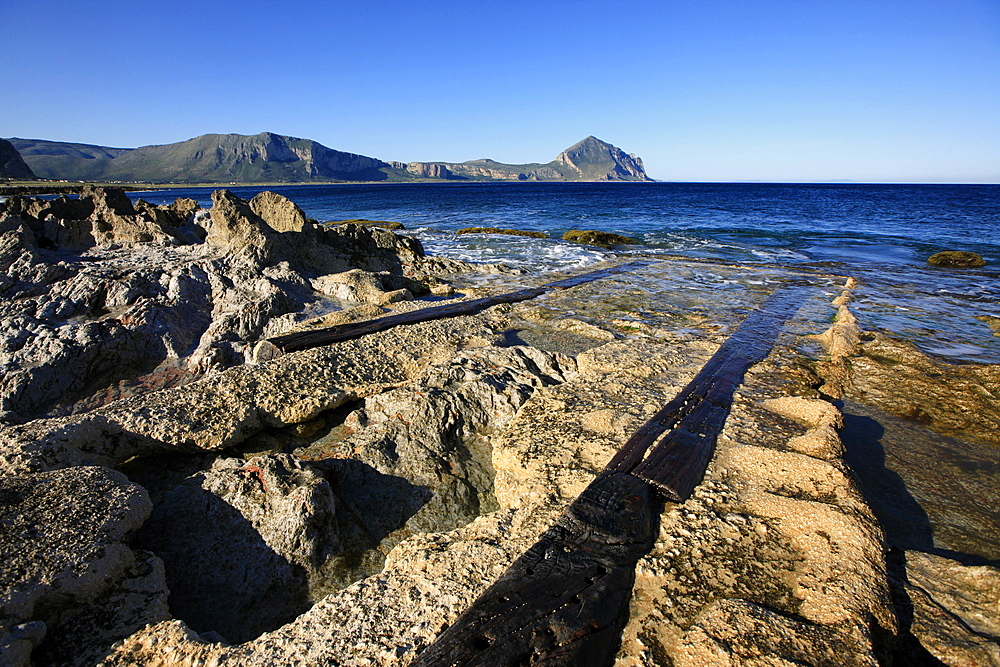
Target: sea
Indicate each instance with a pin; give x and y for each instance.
(880, 234)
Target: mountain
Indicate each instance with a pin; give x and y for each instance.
(588, 160)
(271, 158)
(12, 165)
(210, 158)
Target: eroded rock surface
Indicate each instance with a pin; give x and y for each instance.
(956, 609)
(69, 583)
(96, 290)
(342, 505)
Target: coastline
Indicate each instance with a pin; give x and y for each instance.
(534, 399)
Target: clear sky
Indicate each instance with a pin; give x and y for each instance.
(702, 90)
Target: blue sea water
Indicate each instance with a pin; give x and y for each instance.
(881, 234)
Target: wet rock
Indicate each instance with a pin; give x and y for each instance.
(956, 259)
(592, 237)
(508, 232)
(952, 398)
(387, 224)
(956, 609)
(71, 586)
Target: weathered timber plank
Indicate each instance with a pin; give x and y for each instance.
(303, 340)
(565, 601)
(678, 462)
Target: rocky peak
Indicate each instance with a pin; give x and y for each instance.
(599, 160)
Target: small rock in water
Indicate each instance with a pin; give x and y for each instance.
(592, 237)
(957, 259)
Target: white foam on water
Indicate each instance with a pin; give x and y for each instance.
(542, 255)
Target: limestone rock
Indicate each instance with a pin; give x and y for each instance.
(70, 585)
(237, 229)
(97, 292)
(280, 213)
(956, 609)
(242, 542)
(354, 285)
(223, 410)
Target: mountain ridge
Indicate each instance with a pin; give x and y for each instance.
(271, 157)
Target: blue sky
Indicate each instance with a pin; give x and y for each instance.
(703, 91)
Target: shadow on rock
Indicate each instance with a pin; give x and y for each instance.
(904, 522)
(371, 506)
(241, 543)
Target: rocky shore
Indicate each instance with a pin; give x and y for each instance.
(169, 499)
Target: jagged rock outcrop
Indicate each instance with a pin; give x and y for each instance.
(280, 213)
(12, 165)
(97, 290)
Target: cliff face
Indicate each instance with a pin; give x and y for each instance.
(264, 157)
(12, 165)
(588, 160)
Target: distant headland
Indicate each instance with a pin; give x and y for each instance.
(274, 158)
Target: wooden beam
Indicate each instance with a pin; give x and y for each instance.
(565, 601)
(303, 340)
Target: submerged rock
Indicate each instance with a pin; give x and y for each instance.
(497, 230)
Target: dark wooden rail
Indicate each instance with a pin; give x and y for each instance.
(303, 340)
(565, 601)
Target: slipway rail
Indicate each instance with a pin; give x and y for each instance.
(565, 601)
(304, 340)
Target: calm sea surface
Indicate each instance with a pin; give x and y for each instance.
(882, 234)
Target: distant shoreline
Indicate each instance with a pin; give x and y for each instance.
(30, 188)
